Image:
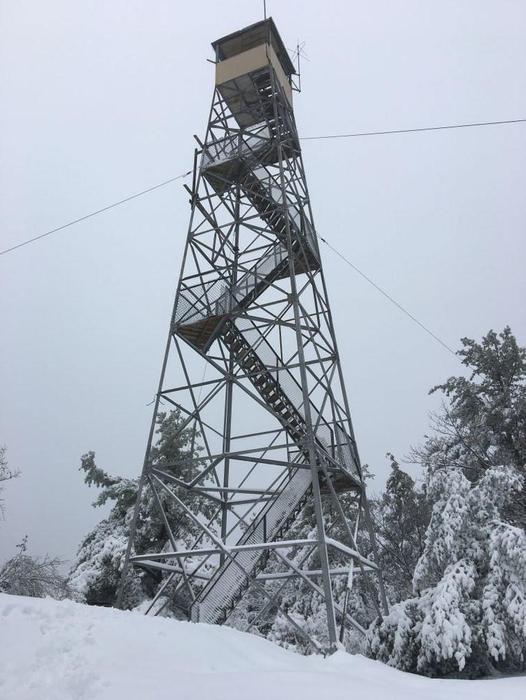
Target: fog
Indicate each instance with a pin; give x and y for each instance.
(101, 100)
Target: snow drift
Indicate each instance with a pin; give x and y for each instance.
(67, 651)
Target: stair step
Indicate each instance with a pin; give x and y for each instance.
(270, 392)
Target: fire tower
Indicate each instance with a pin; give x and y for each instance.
(252, 366)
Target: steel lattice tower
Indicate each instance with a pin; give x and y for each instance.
(270, 410)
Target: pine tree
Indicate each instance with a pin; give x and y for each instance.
(95, 575)
(401, 517)
(470, 614)
(484, 422)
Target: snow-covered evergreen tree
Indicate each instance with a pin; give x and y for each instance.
(484, 422)
(95, 575)
(469, 616)
(401, 516)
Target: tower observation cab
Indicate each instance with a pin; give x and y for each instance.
(244, 60)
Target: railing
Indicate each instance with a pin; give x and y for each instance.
(217, 299)
(299, 222)
(225, 586)
(330, 435)
(261, 271)
(235, 146)
(242, 146)
(200, 302)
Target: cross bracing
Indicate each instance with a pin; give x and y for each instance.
(270, 414)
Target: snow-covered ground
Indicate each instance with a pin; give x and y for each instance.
(53, 650)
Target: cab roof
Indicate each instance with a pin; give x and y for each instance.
(261, 32)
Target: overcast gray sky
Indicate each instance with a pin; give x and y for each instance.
(101, 99)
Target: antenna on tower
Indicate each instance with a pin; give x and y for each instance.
(298, 53)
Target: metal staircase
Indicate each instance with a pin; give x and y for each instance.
(217, 599)
(201, 309)
(229, 583)
(265, 383)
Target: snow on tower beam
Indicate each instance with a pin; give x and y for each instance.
(143, 558)
(312, 573)
(271, 416)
